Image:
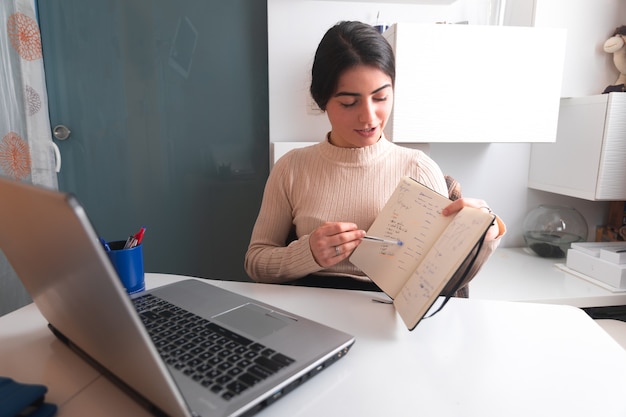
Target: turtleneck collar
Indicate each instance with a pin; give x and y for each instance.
(355, 156)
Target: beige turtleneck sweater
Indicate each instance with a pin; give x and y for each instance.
(322, 182)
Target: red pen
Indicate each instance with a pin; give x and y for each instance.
(139, 236)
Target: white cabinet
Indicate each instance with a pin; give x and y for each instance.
(473, 83)
(588, 159)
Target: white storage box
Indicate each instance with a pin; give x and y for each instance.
(597, 268)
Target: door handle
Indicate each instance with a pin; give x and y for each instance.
(61, 132)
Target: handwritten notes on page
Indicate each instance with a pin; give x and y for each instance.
(434, 246)
(413, 215)
(440, 264)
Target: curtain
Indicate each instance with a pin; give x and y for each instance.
(27, 152)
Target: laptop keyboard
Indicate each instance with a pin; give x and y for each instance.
(221, 360)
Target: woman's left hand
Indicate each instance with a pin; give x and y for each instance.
(456, 205)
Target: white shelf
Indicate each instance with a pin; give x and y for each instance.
(587, 159)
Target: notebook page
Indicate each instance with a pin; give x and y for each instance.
(412, 215)
(440, 264)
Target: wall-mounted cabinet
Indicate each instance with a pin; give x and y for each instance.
(475, 83)
(588, 159)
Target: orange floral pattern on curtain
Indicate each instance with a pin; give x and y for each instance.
(15, 156)
(23, 33)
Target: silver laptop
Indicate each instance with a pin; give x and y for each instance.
(227, 355)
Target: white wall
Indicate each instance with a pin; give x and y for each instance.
(589, 22)
(495, 172)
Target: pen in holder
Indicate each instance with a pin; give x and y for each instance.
(128, 262)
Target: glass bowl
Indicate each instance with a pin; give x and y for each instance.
(549, 230)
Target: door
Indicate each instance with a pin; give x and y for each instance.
(166, 115)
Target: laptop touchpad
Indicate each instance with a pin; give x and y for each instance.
(255, 320)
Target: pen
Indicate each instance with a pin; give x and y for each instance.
(130, 242)
(105, 245)
(135, 239)
(382, 240)
(139, 236)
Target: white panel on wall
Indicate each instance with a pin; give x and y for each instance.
(475, 83)
(281, 148)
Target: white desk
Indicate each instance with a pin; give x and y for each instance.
(515, 274)
(475, 358)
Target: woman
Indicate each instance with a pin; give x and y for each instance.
(329, 193)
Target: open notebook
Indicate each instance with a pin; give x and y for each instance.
(226, 355)
(431, 247)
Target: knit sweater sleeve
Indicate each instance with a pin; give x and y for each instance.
(270, 257)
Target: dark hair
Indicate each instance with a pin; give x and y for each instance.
(344, 46)
(620, 30)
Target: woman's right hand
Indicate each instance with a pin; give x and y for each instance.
(333, 242)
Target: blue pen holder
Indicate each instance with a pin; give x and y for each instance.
(129, 265)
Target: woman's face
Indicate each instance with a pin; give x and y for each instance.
(359, 109)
